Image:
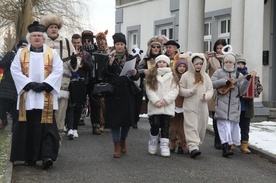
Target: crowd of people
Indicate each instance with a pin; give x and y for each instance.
(49, 80)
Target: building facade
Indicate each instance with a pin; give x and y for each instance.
(248, 25)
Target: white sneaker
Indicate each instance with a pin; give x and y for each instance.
(164, 147)
(70, 134)
(76, 135)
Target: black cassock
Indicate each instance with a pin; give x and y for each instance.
(33, 140)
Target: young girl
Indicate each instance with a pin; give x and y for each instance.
(161, 89)
(176, 130)
(214, 60)
(228, 107)
(197, 89)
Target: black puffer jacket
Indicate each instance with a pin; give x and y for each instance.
(7, 87)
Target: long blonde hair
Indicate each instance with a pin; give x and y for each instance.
(151, 78)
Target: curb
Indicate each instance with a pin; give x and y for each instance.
(255, 150)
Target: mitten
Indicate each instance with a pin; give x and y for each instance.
(73, 60)
(248, 77)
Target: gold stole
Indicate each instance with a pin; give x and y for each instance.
(47, 112)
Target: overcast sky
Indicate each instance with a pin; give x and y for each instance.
(101, 17)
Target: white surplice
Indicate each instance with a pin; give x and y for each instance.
(35, 100)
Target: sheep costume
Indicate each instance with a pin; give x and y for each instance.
(195, 108)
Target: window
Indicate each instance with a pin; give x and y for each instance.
(133, 39)
(166, 30)
(207, 36)
(224, 28)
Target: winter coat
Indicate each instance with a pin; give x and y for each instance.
(167, 90)
(120, 107)
(247, 104)
(228, 106)
(195, 109)
(67, 67)
(213, 64)
(7, 87)
(79, 81)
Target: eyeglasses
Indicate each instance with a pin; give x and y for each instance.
(37, 35)
(87, 40)
(155, 46)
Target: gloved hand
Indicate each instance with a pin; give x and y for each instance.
(248, 77)
(228, 83)
(43, 87)
(40, 87)
(48, 88)
(89, 48)
(193, 91)
(30, 86)
(73, 60)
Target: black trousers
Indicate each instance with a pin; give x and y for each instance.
(73, 114)
(244, 126)
(160, 121)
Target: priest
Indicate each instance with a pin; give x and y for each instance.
(37, 72)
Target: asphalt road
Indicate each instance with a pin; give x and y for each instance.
(89, 158)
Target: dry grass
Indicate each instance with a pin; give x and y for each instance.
(5, 140)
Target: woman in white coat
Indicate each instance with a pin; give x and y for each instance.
(196, 88)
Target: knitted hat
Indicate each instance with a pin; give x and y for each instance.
(36, 27)
(240, 58)
(136, 51)
(87, 34)
(154, 41)
(52, 19)
(181, 61)
(229, 58)
(164, 58)
(119, 37)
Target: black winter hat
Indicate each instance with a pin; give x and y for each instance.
(172, 42)
(119, 37)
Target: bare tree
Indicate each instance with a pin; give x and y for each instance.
(18, 14)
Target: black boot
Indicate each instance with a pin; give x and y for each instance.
(96, 131)
(226, 150)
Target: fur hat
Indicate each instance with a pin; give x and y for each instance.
(136, 51)
(36, 27)
(164, 58)
(87, 34)
(52, 19)
(240, 58)
(154, 41)
(172, 42)
(101, 35)
(119, 37)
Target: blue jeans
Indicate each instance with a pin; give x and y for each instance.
(119, 132)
